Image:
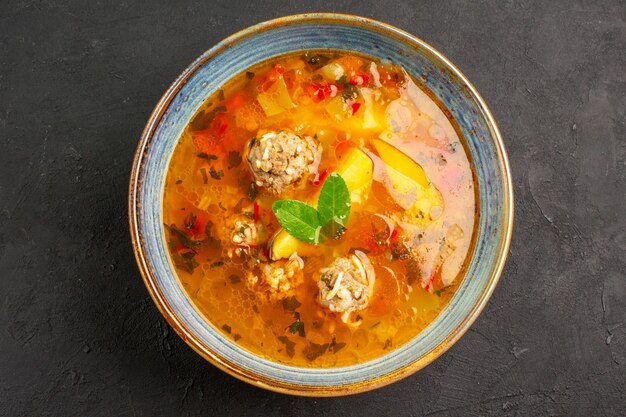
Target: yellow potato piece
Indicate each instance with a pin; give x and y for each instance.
(409, 185)
(276, 99)
(357, 170)
(395, 158)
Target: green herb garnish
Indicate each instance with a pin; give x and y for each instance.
(299, 220)
(203, 120)
(348, 91)
(313, 226)
(289, 345)
(207, 156)
(336, 347)
(216, 264)
(314, 351)
(290, 304)
(190, 220)
(253, 191)
(205, 177)
(182, 237)
(234, 159)
(297, 326)
(216, 175)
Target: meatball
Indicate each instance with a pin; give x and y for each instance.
(281, 159)
(242, 235)
(346, 284)
(277, 280)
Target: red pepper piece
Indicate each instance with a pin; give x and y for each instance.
(355, 107)
(256, 212)
(321, 177)
(359, 78)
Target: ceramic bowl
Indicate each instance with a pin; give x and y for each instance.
(303, 32)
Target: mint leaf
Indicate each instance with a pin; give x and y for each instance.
(333, 205)
(314, 226)
(299, 220)
(297, 327)
(332, 231)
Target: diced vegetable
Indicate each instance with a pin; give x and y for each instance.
(395, 158)
(332, 71)
(370, 121)
(359, 78)
(337, 108)
(356, 168)
(409, 185)
(276, 99)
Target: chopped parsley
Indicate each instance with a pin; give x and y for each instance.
(297, 326)
(234, 159)
(216, 175)
(207, 156)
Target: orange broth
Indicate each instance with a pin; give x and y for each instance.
(347, 103)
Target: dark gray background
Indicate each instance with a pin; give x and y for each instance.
(79, 335)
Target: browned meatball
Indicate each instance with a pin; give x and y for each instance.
(346, 284)
(279, 160)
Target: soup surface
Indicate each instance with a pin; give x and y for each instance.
(320, 208)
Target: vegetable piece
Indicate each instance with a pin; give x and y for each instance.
(332, 71)
(359, 78)
(356, 169)
(337, 108)
(395, 158)
(276, 99)
(370, 119)
(409, 186)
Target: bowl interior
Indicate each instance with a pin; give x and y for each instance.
(304, 32)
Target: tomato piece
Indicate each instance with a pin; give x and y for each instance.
(359, 78)
(354, 107)
(237, 100)
(321, 177)
(330, 90)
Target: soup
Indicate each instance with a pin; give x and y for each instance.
(320, 208)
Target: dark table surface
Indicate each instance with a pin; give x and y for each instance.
(79, 335)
